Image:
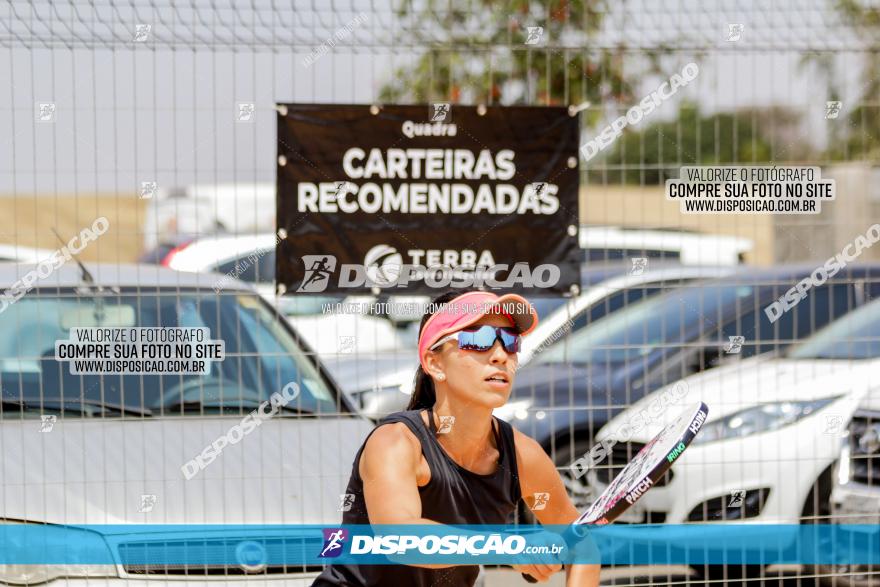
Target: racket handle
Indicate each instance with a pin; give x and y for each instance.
(573, 533)
(529, 579)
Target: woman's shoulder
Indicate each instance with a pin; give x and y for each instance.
(401, 415)
(394, 446)
(528, 450)
(394, 432)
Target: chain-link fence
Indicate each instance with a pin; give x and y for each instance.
(139, 157)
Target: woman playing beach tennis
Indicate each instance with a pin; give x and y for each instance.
(447, 459)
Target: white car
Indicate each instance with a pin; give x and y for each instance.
(17, 254)
(609, 243)
(111, 450)
(251, 258)
(766, 453)
(209, 209)
(855, 498)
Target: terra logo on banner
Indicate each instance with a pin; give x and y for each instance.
(384, 267)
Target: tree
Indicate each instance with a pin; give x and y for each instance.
(860, 135)
(747, 136)
(476, 52)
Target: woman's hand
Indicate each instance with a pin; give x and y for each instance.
(538, 477)
(541, 573)
(545, 565)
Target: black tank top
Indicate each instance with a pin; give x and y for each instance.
(453, 495)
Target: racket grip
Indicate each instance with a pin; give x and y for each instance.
(572, 535)
(529, 579)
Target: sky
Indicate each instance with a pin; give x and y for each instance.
(134, 104)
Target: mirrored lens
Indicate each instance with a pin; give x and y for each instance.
(510, 340)
(483, 338)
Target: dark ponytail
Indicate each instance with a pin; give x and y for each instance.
(424, 395)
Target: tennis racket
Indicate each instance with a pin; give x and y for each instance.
(644, 470)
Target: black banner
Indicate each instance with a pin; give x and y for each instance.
(410, 199)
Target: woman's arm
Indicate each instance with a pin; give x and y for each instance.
(538, 475)
(389, 468)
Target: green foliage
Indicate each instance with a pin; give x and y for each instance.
(856, 133)
(861, 137)
(475, 52)
(654, 153)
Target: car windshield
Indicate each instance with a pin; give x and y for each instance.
(635, 331)
(590, 276)
(855, 336)
(546, 306)
(261, 358)
(307, 305)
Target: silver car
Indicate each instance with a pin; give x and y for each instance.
(84, 449)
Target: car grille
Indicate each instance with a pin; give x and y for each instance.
(864, 438)
(160, 558)
(620, 455)
(733, 506)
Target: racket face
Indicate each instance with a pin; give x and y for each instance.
(647, 467)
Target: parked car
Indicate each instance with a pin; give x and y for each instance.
(118, 439)
(855, 497)
(382, 383)
(17, 254)
(768, 449)
(251, 258)
(606, 290)
(574, 387)
(201, 210)
(615, 243)
(164, 250)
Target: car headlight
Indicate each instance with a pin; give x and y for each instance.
(757, 419)
(516, 409)
(63, 551)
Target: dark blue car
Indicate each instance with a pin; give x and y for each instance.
(569, 391)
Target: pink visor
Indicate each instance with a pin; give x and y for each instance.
(469, 308)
